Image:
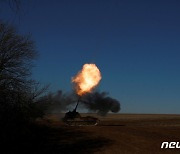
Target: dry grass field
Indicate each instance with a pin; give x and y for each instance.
(116, 133)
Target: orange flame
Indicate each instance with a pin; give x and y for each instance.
(87, 79)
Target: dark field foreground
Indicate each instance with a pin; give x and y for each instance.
(117, 133)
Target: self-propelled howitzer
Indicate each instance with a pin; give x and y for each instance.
(73, 118)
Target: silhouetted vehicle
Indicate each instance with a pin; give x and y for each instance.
(73, 118)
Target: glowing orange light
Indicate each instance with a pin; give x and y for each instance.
(87, 79)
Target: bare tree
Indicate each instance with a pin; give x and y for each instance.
(18, 92)
(16, 56)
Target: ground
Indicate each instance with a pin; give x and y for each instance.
(123, 133)
(116, 133)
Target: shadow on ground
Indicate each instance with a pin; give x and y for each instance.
(44, 139)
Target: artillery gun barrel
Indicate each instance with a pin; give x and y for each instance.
(77, 104)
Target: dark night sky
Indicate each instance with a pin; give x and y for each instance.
(136, 45)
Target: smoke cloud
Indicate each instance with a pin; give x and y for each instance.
(101, 103)
(57, 102)
(98, 102)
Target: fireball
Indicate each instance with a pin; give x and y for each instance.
(87, 79)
